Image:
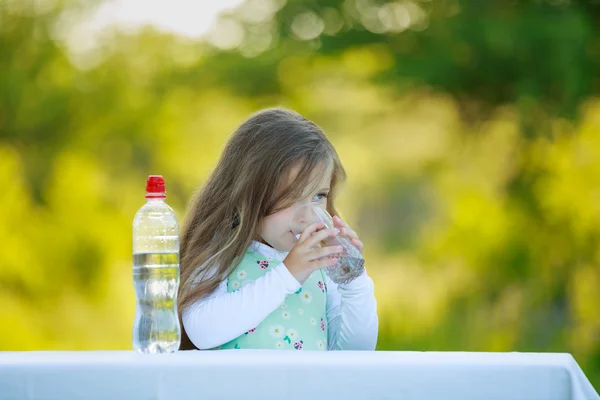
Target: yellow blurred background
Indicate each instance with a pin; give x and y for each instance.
(470, 132)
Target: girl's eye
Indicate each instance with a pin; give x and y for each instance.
(320, 196)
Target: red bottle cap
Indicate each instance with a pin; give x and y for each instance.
(155, 187)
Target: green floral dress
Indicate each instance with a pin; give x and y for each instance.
(299, 323)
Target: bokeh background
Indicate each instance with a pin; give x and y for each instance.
(470, 130)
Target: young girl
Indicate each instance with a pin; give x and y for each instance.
(247, 282)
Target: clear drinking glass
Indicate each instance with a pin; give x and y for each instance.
(350, 263)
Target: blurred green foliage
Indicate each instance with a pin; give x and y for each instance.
(469, 129)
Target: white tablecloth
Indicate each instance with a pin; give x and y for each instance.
(265, 374)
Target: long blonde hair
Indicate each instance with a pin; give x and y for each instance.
(249, 183)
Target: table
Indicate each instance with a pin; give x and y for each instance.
(265, 374)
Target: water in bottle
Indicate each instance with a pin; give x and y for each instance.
(156, 327)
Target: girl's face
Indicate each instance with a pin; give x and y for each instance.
(275, 230)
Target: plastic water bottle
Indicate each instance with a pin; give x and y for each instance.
(156, 272)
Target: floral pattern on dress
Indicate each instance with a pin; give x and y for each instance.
(292, 334)
(295, 323)
(276, 331)
(306, 297)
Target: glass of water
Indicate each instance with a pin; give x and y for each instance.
(350, 263)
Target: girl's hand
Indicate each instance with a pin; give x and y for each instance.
(346, 231)
(306, 257)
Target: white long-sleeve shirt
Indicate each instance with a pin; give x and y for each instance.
(221, 317)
